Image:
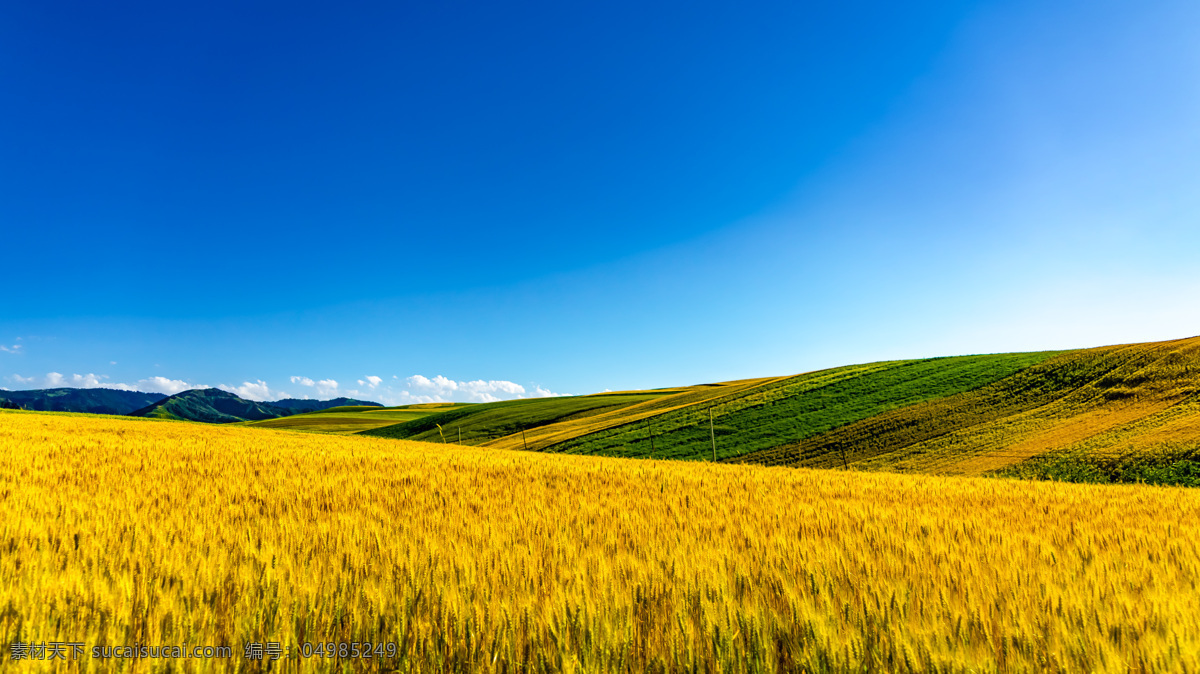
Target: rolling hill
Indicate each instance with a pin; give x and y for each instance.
(214, 406)
(755, 412)
(966, 415)
(299, 405)
(89, 400)
(1097, 414)
(210, 405)
(352, 419)
(1097, 402)
(491, 422)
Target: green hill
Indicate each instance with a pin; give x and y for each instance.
(352, 419)
(481, 423)
(211, 406)
(747, 415)
(1087, 404)
(299, 405)
(87, 400)
(1068, 414)
(798, 407)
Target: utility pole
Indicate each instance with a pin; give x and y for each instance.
(845, 466)
(713, 434)
(523, 440)
(651, 434)
(460, 435)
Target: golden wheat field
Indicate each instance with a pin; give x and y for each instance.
(121, 532)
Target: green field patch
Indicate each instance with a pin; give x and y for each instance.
(354, 418)
(345, 409)
(1169, 464)
(484, 422)
(799, 407)
(1058, 403)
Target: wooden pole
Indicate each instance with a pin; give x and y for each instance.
(460, 435)
(523, 440)
(651, 434)
(713, 434)
(845, 466)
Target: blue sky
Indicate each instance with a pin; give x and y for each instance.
(471, 201)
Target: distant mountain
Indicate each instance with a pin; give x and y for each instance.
(297, 405)
(212, 406)
(90, 400)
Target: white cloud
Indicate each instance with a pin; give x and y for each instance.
(87, 380)
(326, 388)
(57, 380)
(422, 389)
(444, 388)
(407, 398)
(92, 380)
(495, 386)
(164, 385)
(439, 385)
(372, 382)
(15, 348)
(255, 390)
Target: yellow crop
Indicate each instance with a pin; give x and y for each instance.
(119, 531)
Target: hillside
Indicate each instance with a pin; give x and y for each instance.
(962, 415)
(89, 400)
(792, 408)
(215, 406)
(352, 419)
(210, 405)
(755, 412)
(489, 422)
(1116, 399)
(299, 405)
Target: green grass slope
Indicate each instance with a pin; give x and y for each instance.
(748, 416)
(1114, 413)
(1093, 402)
(298, 405)
(89, 400)
(212, 406)
(354, 418)
(789, 410)
(485, 422)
